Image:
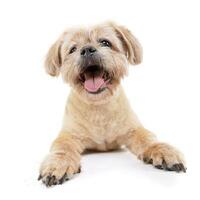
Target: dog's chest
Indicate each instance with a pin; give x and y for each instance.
(101, 124)
(105, 126)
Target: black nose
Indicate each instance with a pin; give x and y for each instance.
(88, 51)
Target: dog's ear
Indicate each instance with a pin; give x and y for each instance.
(53, 60)
(132, 47)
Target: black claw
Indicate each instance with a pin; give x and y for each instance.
(64, 178)
(177, 167)
(52, 181)
(169, 169)
(39, 177)
(164, 165)
(159, 166)
(47, 181)
(145, 160)
(183, 168)
(173, 168)
(79, 170)
(148, 161)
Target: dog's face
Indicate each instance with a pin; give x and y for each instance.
(94, 60)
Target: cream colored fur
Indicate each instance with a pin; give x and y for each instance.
(104, 121)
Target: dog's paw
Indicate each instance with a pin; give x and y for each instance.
(57, 168)
(164, 156)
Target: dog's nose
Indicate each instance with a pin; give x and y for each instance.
(88, 51)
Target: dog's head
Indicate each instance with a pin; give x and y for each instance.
(94, 60)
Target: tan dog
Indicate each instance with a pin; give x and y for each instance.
(98, 115)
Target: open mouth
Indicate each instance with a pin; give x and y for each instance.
(94, 79)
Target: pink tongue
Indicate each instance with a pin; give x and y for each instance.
(92, 84)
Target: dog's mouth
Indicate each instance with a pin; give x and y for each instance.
(95, 79)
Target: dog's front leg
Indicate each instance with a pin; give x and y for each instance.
(63, 160)
(143, 143)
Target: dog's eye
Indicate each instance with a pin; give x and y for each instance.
(105, 43)
(72, 50)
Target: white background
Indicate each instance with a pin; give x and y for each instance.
(163, 90)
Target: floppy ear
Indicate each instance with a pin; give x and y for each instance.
(53, 60)
(132, 47)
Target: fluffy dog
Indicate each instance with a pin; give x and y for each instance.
(97, 114)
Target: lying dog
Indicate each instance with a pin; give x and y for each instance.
(97, 114)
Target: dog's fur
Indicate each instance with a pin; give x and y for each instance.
(103, 120)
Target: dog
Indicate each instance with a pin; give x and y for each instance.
(98, 116)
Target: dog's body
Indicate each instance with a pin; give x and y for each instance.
(102, 126)
(98, 115)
